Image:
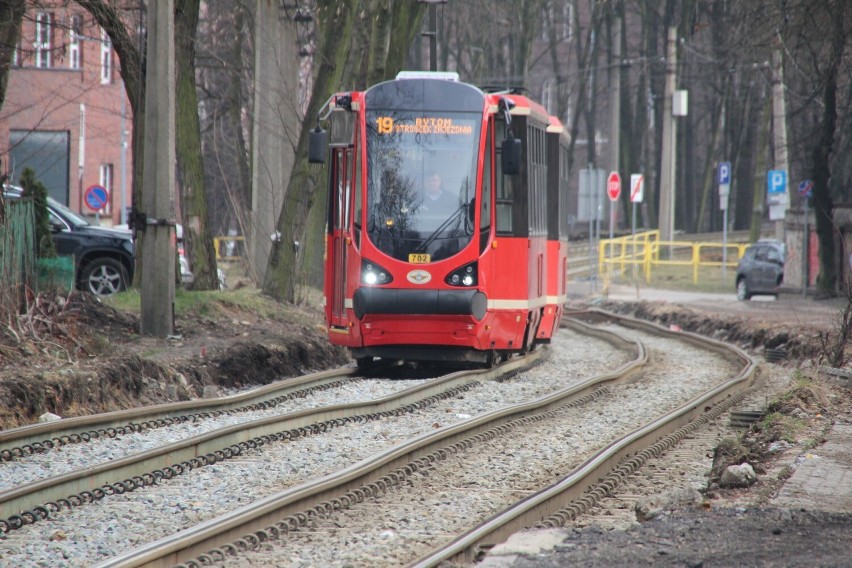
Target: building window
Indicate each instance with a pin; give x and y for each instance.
(106, 58)
(106, 183)
(42, 41)
(75, 33)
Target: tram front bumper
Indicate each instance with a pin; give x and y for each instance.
(394, 301)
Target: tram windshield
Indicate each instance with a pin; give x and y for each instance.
(421, 182)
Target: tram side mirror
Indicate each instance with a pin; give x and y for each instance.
(510, 158)
(317, 146)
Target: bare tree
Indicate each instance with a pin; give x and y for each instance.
(339, 59)
(11, 16)
(190, 163)
(123, 30)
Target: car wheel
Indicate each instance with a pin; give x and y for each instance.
(743, 293)
(104, 277)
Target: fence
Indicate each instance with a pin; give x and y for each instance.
(229, 248)
(17, 253)
(645, 252)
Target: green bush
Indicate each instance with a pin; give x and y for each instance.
(36, 191)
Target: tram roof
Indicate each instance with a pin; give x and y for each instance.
(427, 94)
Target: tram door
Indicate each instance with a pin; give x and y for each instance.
(341, 204)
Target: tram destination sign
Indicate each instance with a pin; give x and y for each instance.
(424, 125)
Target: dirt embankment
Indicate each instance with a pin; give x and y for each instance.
(75, 356)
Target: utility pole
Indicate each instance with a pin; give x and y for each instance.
(432, 34)
(615, 105)
(667, 159)
(158, 176)
(779, 130)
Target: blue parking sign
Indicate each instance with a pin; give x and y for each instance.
(776, 181)
(725, 173)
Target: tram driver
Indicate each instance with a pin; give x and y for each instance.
(436, 199)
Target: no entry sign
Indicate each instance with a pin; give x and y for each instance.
(613, 186)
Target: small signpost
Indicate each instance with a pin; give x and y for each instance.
(806, 189)
(96, 198)
(613, 190)
(776, 194)
(637, 192)
(613, 186)
(724, 192)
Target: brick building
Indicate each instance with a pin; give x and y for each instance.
(64, 110)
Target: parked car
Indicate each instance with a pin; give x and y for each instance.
(103, 256)
(186, 276)
(761, 269)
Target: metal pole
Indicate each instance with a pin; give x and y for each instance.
(589, 180)
(123, 216)
(667, 156)
(433, 38)
(805, 252)
(725, 243)
(779, 126)
(81, 155)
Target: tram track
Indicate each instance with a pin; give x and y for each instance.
(310, 519)
(87, 478)
(301, 495)
(138, 469)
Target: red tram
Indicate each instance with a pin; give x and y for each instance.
(446, 232)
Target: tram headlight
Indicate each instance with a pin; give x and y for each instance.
(372, 274)
(463, 276)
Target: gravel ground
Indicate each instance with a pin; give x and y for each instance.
(117, 523)
(397, 527)
(724, 528)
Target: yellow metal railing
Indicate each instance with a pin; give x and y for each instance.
(234, 248)
(630, 251)
(645, 252)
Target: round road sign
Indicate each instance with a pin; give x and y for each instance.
(96, 197)
(613, 186)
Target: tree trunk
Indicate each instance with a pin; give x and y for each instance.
(827, 279)
(758, 208)
(11, 16)
(282, 273)
(130, 51)
(197, 240)
(303, 216)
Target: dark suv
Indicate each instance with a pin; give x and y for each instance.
(761, 269)
(104, 256)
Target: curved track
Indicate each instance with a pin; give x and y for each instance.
(300, 506)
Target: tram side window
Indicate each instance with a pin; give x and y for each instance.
(485, 201)
(537, 166)
(564, 182)
(357, 209)
(502, 188)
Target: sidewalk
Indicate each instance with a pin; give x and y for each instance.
(787, 307)
(822, 479)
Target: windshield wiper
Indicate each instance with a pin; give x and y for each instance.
(441, 228)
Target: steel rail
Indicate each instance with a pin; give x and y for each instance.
(184, 454)
(579, 483)
(260, 515)
(82, 425)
